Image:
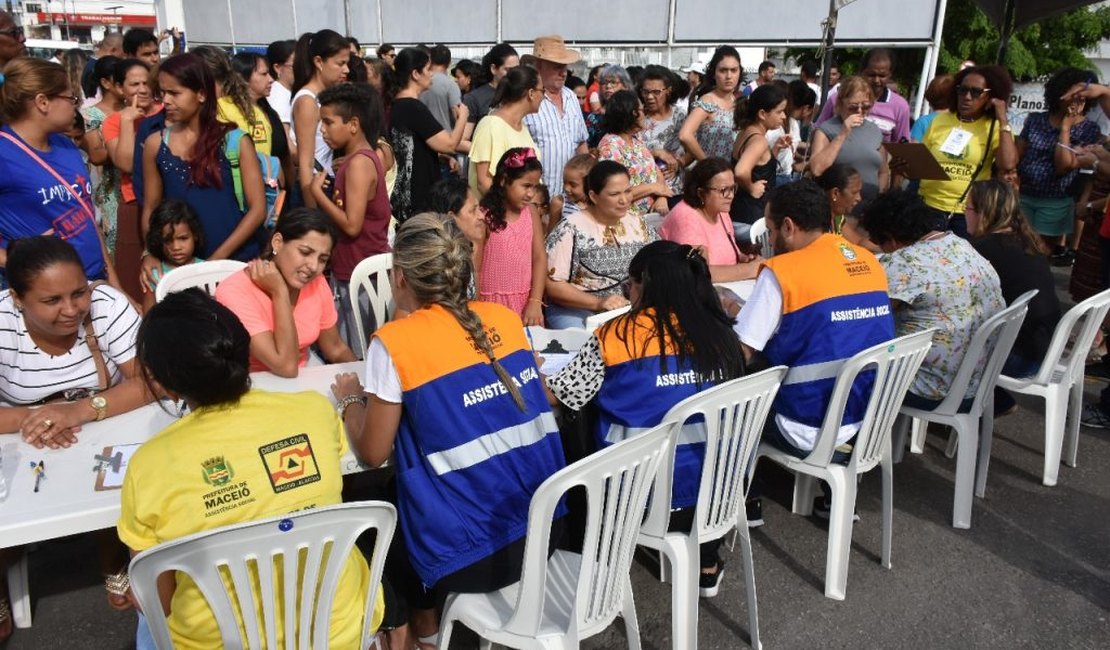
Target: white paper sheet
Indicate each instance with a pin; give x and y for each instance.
(554, 362)
(112, 478)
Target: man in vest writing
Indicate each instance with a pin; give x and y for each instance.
(816, 303)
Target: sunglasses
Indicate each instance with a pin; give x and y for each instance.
(12, 32)
(856, 108)
(975, 93)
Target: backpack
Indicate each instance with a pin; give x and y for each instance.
(270, 170)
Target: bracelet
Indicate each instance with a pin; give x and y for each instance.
(118, 584)
(347, 402)
(542, 303)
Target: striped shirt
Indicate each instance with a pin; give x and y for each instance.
(27, 374)
(558, 135)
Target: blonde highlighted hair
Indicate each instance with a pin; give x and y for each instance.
(25, 78)
(999, 210)
(850, 86)
(435, 258)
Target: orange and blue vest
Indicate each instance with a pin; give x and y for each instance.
(835, 303)
(642, 382)
(468, 460)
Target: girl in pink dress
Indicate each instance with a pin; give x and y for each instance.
(514, 263)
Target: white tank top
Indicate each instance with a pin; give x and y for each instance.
(323, 152)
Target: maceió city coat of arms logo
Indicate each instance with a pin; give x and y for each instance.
(217, 471)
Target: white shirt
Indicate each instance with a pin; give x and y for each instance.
(282, 102)
(27, 374)
(757, 322)
(382, 379)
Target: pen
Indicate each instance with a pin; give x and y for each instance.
(40, 471)
(531, 343)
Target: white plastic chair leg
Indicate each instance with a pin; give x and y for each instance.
(805, 488)
(966, 433)
(887, 467)
(1053, 435)
(632, 623)
(749, 575)
(917, 436)
(840, 533)
(1075, 411)
(898, 434)
(19, 592)
(664, 567)
(683, 556)
(986, 439)
(953, 443)
(447, 624)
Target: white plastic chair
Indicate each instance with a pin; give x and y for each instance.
(19, 593)
(760, 236)
(203, 275)
(974, 427)
(597, 320)
(371, 276)
(734, 415)
(569, 597)
(312, 543)
(1060, 381)
(895, 363)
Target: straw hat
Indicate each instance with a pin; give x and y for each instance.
(554, 49)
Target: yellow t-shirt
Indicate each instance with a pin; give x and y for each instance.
(271, 454)
(491, 139)
(261, 133)
(945, 195)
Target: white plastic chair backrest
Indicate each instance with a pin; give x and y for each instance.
(617, 481)
(597, 320)
(761, 236)
(895, 363)
(371, 276)
(993, 341)
(1082, 321)
(316, 542)
(734, 413)
(570, 339)
(203, 275)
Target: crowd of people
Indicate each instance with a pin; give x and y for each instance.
(510, 193)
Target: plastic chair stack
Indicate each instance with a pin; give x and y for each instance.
(895, 364)
(568, 596)
(734, 414)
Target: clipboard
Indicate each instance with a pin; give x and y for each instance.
(111, 465)
(920, 162)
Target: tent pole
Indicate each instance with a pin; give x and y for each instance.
(1005, 31)
(827, 59)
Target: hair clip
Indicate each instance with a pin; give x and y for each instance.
(519, 158)
(692, 253)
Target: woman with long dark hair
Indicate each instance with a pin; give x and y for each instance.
(710, 128)
(756, 165)
(188, 161)
(520, 93)
(417, 137)
(622, 122)
(632, 366)
(320, 62)
(251, 68)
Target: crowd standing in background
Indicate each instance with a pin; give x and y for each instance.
(510, 192)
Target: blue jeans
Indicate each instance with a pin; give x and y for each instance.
(143, 638)
(558, 317)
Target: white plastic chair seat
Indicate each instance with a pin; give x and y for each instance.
(489, 613)
(759, 235)
(597, 320)
(203, 275)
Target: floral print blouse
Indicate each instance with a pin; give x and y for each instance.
(942, 283)
(663, 134)
(639, 161)
(717, 133)
(594, 257)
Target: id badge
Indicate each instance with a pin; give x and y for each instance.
(956, 142)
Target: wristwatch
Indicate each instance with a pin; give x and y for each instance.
(100, 405)
(1006, 128)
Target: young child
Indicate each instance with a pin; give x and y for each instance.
(514, 263)
(573, 197)
(541, 203)
(174, 238)
(350, 120)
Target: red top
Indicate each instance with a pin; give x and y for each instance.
(374, 238)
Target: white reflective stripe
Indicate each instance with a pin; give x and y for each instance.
(493, 444)
(690, 433)
(813, 372)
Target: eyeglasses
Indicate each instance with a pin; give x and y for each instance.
(725, 192)
(975, 93)
(611, 82)
(652, 92)
(74, 100)
(857, 108)
(12, 32)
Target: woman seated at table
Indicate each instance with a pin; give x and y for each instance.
(701, 220)
(67, 348)
(676, 325)
(451, 374)
(284, 300)
(937, 281)
(588, 252)
(1000, 233)
(197, 351)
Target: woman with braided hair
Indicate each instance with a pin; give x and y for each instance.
(463, 506)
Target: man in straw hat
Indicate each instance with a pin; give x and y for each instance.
(558, 127)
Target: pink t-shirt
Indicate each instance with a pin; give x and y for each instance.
(313, 313)
(686, 225)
